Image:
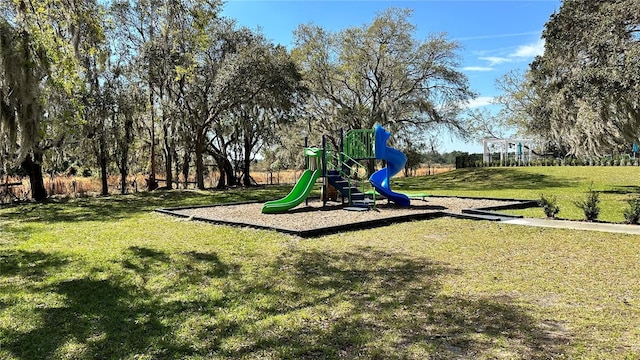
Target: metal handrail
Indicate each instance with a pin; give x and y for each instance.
(337, 160)
(341, 163)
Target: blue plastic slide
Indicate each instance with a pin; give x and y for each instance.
(395, 162)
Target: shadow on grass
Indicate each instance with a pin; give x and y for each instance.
(479, 179)
(623, 190)
(123, 206)
(374, 304)
(31, 266)
(190, 268)
(303, 304)
(100, 319)
(15, 232)
(105, 318)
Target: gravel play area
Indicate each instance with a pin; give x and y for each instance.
(312, 219)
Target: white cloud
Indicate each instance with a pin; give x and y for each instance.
(496, 60)
(496, 36)
(529, 51)
(522, 52)
(480, 102)
(477, 68)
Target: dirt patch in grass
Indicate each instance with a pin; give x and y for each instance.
(312, 219)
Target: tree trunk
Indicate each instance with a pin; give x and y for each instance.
(124, 158)
(222, 180)
(102, 160)
(199, 150)
(151, 182)
(247, 163)
(123, 175)
(178, 166)
(225, 169)
(228, 169)
(186, 160)
(33, 167)
(168, 155)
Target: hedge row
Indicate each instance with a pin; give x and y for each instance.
(562, 162)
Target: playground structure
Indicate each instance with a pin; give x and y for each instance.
(336, 167)
(519, 150)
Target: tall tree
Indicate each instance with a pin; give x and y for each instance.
(139, 28)
(518, 100)
(165, 37)
(588, 79)
(523, 110)
(99, 99)
(238, 71)
(279, 93)
(380, 73)
(206, 92)
(126, 111)
(42, 77)
(22, 68)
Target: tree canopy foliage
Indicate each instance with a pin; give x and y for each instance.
(582, 94)
(166, 86)
(21, 70)
(380, 73)
(41, 77)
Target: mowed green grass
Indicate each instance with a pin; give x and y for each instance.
(108, 278)
(615, 185)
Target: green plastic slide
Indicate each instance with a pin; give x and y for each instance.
(297, 195)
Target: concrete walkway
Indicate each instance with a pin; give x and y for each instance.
(576, 225)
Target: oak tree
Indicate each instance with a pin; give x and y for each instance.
(588, 79)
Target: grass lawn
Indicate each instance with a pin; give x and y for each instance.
(568, 184)
(107, 278)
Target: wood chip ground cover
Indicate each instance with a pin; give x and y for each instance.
(312, 216)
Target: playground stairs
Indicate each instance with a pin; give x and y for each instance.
(347, 190)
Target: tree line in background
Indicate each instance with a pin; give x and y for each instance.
(166, 86)
(581, 97)
(171, 87)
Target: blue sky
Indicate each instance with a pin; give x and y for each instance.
(496, 36)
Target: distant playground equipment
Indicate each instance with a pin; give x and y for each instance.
(339, 168)
(520, 150)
